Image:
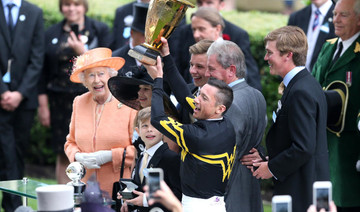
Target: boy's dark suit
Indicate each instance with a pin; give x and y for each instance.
(296, 142)
(123, 52)
(26, 50)
(301, 19)
(169, 161)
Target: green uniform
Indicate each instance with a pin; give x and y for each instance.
(344, 150)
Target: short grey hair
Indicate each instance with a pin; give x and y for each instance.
(229, 53)
(112, 72)
(357, 7)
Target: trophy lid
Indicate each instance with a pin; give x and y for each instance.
(75, 171)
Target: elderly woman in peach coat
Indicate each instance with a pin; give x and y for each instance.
(101, 127)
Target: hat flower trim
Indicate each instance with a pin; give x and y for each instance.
(81, 60)
(357, 47)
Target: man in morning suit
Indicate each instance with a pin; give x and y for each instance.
(226, 62)
(296, 142)
(316, 21)
(137, 32)
(122, 24)
(336, 63)
(208, 145)
(21, 60)
(230, 32)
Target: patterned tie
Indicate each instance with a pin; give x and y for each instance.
(316, 19)
(143, 166)
(10, 18)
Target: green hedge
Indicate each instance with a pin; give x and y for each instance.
(258, 24)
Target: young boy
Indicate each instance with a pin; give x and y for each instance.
(156, 155)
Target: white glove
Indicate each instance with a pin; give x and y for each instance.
(102, 156)
(359, 125)
(88, 162)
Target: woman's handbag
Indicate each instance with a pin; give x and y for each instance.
(116, 186)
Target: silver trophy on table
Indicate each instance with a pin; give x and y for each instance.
(76, 171)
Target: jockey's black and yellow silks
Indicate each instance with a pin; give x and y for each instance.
(208, 148)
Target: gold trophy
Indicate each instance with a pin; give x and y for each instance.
(162, 18)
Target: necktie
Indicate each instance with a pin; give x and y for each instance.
(143, 166)
(281, 88)
(10, 19)
(340, 47)
(316, 19)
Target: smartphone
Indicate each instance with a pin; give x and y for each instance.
(322, 195)
(281, 203)
(153, 178)
(75, 29)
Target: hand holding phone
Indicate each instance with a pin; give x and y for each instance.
(153, 178)
(281, 203)
(322, 195)
(75, 29)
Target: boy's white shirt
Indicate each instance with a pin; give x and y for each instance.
(151, 153)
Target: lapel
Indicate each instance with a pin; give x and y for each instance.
(345, 59)
(153, 163)
(137, 167)
(322, 35)
(287, 90)
(22, 21)
(305, 17)
(3, 26)
(155, 159)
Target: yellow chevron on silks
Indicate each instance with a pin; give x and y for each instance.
(219, 159)
(179, 140)
(191, 102)
(210, 159)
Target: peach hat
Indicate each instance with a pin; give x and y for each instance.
(98, 57)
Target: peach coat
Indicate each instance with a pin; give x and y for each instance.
(114, 133)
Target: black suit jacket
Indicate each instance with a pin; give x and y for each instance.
(99, 36)
(169, 161)
(296, 142)
(120, 38)
(301, 19)
(26, 52)
(236, 34)
(130, 62)
(121, 32)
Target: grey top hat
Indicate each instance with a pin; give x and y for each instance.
(139, 14)
(337, 95)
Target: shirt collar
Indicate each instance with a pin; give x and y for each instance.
(323, 8)
(232, 84)
(153, 149)
(347, 43)
(292, 74)
(16, 2)
(218, 119)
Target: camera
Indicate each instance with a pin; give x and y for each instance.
(281, 203)
(322, 195)
(153, 178)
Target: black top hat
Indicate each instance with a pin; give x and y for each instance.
(139, 14)
(337, 94)
(125, 87)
